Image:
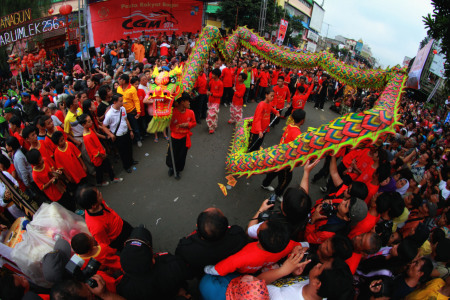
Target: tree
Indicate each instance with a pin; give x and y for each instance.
(438, 26)
(247, 12)
(39, 8)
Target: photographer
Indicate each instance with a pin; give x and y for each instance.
(73, 289)
(294, 209)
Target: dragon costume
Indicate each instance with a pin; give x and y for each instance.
(350, 130)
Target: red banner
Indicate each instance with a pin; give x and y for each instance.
(115, 19)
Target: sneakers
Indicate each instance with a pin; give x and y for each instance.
(139, 143)
(268, 188)
(324, 189)
(104, 183)
(117, 179)
(280, 199)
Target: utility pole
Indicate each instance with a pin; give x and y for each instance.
(262, 18)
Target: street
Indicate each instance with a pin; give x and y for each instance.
(169, 207)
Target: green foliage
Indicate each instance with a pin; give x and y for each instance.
(248, 12)
(438, 26)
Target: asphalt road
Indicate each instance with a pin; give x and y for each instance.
(169, 207)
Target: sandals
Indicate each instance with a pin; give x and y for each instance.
(156, 140)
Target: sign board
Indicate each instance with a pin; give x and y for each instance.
(317, 18)
(406, 61)
(311, 47)
(417, 67)
(313, 36)
(116, 19)
(437, 66)
(282, 31)
(27, 30)
(15, 19)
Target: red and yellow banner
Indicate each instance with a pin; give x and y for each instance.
(116, 19)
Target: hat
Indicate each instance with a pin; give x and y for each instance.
(54, 263)
(137, 254)
(166, 68)
(51, 105)
(25, 94)
(358, 211)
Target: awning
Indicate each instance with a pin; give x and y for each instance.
(305, 25)
(212, 9)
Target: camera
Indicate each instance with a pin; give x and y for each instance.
(272, 199)
(74, 268)
(328, 209)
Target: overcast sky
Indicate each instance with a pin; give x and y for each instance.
(392, 28)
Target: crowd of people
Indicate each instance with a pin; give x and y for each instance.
(380, 230)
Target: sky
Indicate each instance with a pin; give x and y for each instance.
(392, 28)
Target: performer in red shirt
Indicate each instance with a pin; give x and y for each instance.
(51, 128)
(29, 134)
(227, 80)
(96, 152)
(281, 95)
(238, 100)
(263, 82)
(183, 119)
(261, 121)
(285, 176)
(68, 158)
(49, 180)
(215, 93)
(275, 73)
(301, 96)
(200, 105)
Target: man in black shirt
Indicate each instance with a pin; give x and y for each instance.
(213, 241)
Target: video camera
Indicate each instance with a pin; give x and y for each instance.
(74, 268)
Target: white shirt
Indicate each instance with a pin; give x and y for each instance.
(287, 292)
(13, 209)
(443, 188)
(56, 121)
(143, 87)
(112, 119)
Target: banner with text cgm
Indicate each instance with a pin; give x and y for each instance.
(116, 19)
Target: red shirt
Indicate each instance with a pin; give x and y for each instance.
(280, 96)
(261, 119)
(353, 261)
(59, 114)
(373, 189)
(51, 147)
(46, 155)
(67, 159)
(201, 84)
(42, 177)
(179, 117)
(290, 134)
(23, 143)
(105, 226)
(94, 148)
(251, 258)
(106, 256)
(238, 97)
(216, 89)
(274, 77)
(227, 78)
(263, 79)
(299, 100)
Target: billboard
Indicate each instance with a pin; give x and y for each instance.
(437, 66)
(282, 31)
(116, 19)
(317, 18)
(313, 36)
(417, 66)
(406, 61)
(311, 47)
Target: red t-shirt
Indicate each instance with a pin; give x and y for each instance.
(227, 78)
(353, 261)
(274, 77)
(201, 84)
(280, 95)
(290, 134)
(104, 227)
(366, 175)
(216, 89)
(238, 97)
(261, 120)
(59, 114)
(42, 177)
(141, 95)
(67, 159)
(51, 147)
(299, 100)
(94, 148)
(373, 189)
(263, 79)
(23, 143)
(251, 258)
(179, 117)
(46, 154)
(106, 256)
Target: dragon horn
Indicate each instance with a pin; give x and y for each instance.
(155, 72)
